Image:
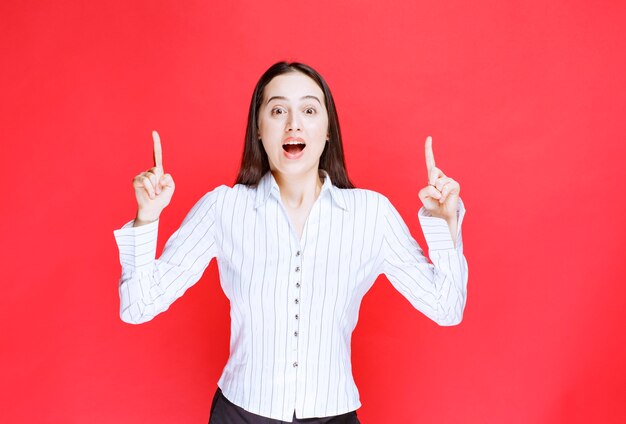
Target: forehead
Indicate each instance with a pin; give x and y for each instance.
(293, 86)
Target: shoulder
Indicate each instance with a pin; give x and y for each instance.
(225, 191)
(364, 193)
(213, 195)
(226, 194)
(360, 198)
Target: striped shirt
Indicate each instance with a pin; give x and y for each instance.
(294, 303)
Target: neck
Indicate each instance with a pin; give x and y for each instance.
(300, 190)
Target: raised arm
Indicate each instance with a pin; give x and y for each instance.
(438, 289)
(148, 286)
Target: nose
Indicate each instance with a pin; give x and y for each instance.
(293, 123)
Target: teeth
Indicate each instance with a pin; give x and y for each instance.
(293, 142)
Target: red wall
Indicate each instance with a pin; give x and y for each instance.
(526, 105)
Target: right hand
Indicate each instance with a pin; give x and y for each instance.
(153, 188)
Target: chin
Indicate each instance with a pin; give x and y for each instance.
(296, 169)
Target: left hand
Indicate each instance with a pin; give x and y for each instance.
(441, 196)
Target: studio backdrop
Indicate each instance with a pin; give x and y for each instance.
(525, 103)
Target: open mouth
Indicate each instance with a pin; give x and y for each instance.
(294, 147)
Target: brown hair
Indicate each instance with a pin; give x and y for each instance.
(254, 162)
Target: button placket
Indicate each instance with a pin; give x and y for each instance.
(296, 322)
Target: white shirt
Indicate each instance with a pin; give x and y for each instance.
(294, 303)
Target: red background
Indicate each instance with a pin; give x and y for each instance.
(525, 102)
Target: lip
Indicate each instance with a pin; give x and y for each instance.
(293, 156)
(299, 139)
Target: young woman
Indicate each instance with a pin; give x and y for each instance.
(297, 249)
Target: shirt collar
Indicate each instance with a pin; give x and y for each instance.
(268, 184)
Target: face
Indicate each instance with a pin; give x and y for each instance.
(293, 124)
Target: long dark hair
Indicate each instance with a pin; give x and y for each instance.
(254, 162)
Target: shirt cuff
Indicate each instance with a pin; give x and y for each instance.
(137, 245)
(436, 230)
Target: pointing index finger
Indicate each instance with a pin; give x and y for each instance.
(430, 156)
(157, 152)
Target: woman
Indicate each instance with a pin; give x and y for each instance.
(297, 248)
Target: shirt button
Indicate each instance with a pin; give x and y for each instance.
(295, 333)
(298, 284)
(295, 364)
(297, 316)
(298, 253)
(297, 269)
(297, 301)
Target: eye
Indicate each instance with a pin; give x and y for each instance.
(277, 111)
(310, 111)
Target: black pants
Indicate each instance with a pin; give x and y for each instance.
(224, 411)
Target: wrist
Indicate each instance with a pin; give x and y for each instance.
(437, 214)
(143, 218)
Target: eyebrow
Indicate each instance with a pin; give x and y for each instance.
(285, 98)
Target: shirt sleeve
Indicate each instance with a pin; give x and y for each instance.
(437, 289)
(148, 286)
